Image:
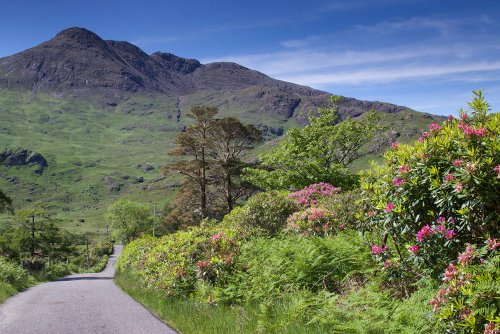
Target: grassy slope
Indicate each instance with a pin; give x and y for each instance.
(84, 143)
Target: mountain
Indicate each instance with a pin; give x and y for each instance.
(78, 63)
(102, 114)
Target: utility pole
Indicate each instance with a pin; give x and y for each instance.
(87, 243)
(154, 218)
(33, 235)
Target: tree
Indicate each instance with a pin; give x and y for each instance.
(229, 142)
(319, 152)
(130, 219)
(212, 149)
(194, 143)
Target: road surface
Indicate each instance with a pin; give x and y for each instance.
(80, 304)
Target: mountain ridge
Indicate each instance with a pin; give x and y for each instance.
(79, 63)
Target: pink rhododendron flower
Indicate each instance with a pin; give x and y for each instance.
(491, 328)
(441, 220)
(470, 167)
(497, 170)
(398, 181)
(389, 207)
(441, 228)
(395, 146)
(414, 249)
(458, 163)
(309, 195)
(371, 213)
(450, 234)
(452, 220)
(467, 256)
(459, 187)
(464, 117)
(404, 169)
(217, 236)
(493, 244)
(376, 249)
(450, 118)
(434, 127)
(423, 136)
(424, 233)
(450, 272)
(471, 131)
(449, 177)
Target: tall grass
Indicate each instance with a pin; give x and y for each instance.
(191, 317)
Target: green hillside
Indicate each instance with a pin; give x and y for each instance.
(97, 154)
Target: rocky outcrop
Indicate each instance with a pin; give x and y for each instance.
(22, 157)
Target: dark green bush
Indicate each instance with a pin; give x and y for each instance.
(267, 211)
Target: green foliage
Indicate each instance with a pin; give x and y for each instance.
(267, 211)
(440, 192)
(14, 275)
(469, 298)
(274, 266)
(320, 152)
(129, 219)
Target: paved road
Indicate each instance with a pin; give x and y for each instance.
(80, 304)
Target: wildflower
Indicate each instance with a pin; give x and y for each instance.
(449, 177)
(217, 236)
(497, 170)
(470, 167)
(404, 169)
(389, 207)
(450, 272)
(464, 117)
(459, 187)
(491, 328)
(398, 181)
(424, 233)
(458, 162)
(414, 249)
(423, 136)
(441, 220)
(450, 234)
(493, 244)
(441, 228)
(467, 256)
(450, 118)
(376, 249)
(434, 127)
(395, 146)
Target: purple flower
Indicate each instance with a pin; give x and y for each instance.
(398, 181)
(414, 249)
(389, 207)
(376, 249)
(450, 234)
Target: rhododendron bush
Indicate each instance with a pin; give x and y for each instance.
(469, 298)
(432, 197)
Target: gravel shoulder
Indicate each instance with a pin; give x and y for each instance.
(81, 303)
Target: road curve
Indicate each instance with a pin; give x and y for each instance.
(80, 304)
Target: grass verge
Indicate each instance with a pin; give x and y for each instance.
(190, 317)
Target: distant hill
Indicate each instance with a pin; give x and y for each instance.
(103, 114)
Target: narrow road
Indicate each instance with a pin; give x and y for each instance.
(82, 303)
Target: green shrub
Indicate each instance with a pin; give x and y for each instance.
(267, 211)
(14, 275)
(469, 298)
(57, 271)
(434, 196)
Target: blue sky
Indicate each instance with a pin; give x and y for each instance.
(425, 54)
